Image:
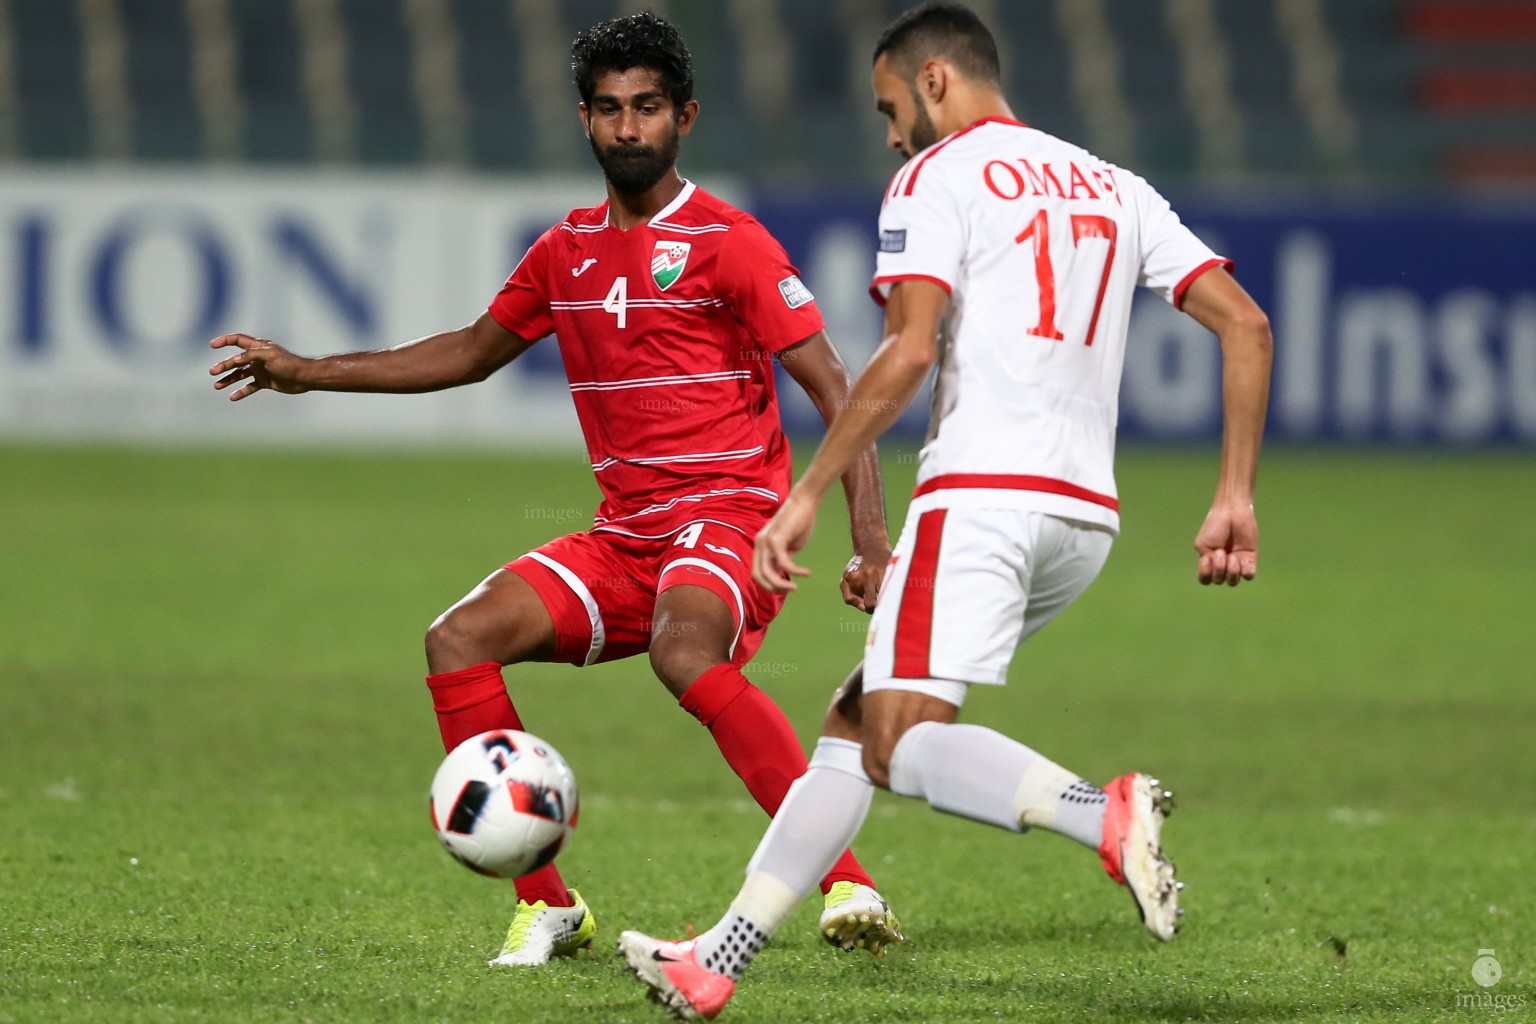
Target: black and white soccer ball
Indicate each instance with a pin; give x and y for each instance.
(504, 803)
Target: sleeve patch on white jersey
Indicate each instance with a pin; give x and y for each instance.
(893, 240)
(795, 294)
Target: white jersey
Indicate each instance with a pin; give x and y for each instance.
(1040, 245)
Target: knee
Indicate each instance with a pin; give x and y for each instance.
(877, 762)
(845, 715)
(446, 638)
(678, 665)
(459, 638)
(884, 738)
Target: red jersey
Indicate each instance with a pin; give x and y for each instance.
(666, 331)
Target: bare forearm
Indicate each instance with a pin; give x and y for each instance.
(428, 364)
(862, 486)
(1247, 353)
(816, 366)
(864, 491)
(877, 398)
(1219, 303)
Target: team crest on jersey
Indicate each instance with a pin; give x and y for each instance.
(667, 262)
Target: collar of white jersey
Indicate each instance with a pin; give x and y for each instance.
(677, 203)
(924, 154)
(979, 122)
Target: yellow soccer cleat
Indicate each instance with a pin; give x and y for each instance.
(540, 931)
(854, 916)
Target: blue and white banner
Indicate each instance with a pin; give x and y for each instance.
(112, 284)
(1394, 322)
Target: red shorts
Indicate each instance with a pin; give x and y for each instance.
(600, 588)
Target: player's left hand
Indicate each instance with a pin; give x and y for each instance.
(773, 563)
(862, 577)
(1228, 544)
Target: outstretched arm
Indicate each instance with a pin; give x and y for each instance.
(469, 354)
(894, 375)
(1228, 541)
(817, 368)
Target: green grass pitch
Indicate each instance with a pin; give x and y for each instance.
(215, 746)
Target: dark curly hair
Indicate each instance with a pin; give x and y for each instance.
(635, 41)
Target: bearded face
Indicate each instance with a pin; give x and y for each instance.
(923, 133)
(635, 168)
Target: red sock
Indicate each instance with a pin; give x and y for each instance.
(471, 701)
(474, 700)
(759, 745)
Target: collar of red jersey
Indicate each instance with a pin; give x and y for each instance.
(676, 204)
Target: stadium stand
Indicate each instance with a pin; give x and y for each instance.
(1477, 79)
(277, 125)
(1330, 92)
(382, 76)
(48, 65)
(161, 91)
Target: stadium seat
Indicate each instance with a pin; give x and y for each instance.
(1037, 68)
(278, 123)
(381, 72)
(166, 121)
(1476, 83)
(490, 69)
(55, 123)
(1419, 90)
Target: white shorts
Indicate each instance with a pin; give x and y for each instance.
(967, 586)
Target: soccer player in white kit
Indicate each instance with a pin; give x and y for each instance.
(1009, 258)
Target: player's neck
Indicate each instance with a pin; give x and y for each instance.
(628, 210)
(975, 106)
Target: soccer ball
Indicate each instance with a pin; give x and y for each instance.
(504, 803)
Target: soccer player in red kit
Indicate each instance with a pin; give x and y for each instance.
(670, 308)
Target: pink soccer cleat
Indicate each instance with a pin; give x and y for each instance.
(1132, 850)
(675, 977)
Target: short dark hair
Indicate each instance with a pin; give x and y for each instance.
(635, 41)
(947, 30)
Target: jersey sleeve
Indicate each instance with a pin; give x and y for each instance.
(522, 305)
(763, 290)
(1172, 256)
(922, 234)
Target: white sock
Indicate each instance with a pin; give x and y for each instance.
(821, 814)
(981, 774)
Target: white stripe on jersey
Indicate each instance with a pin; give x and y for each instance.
(761, 492)
(702, 229)
(599, 304)
(661, 460)
(678, 202)
(660, 219)
(715, 570)
(594, 616)
(658, 382)
(601, 524)
(699, 229)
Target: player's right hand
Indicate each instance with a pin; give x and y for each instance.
(773, 563)
(262, 364)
